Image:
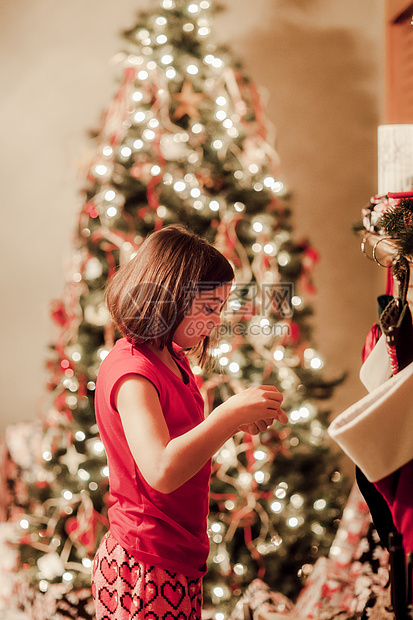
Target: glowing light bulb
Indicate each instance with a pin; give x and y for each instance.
(83, 475)
(283, 259)
(166, 59)
(109, 195)
(148, 134)
(297, 500)
(98, 447)
(319, 504)
(294, 416)
(170, 73)
(260, 455)
(197, 128)
(179, 186)
(259, 477)
(239, 569)
(101, 170)
(257, 227)
(161, 39)
(192, 69)
(277, 187)
(278, 354)
(276, 507)
(111, 211)
(139, 117)
(143, 75)
(142, 34)
(125, 151)
(316, 363)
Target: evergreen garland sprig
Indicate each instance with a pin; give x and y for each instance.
(397, 223)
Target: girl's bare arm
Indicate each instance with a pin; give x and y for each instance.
(168, 463)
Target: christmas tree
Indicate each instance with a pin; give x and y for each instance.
(185, 140)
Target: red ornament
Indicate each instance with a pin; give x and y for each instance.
(58, 312)
(91, 209)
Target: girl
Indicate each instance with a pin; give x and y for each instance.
(165, 301)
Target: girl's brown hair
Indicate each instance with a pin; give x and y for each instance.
(150, 295)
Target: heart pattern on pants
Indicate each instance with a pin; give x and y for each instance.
(132, 603)
(124, 587)
(173, 593)
(128, 574)
(109, 599)
(109, 570)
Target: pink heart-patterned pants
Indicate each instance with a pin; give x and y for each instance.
(125, 589)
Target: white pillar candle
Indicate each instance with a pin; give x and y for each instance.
(395, 158)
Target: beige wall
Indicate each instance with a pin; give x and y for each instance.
(321, 62)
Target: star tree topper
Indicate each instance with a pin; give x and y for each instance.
(189, 101)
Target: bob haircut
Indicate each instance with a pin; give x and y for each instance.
(150, 295)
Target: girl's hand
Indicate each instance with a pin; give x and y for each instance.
(255, 405)
(257, 427)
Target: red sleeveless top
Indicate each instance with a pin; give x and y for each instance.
(165, 530)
